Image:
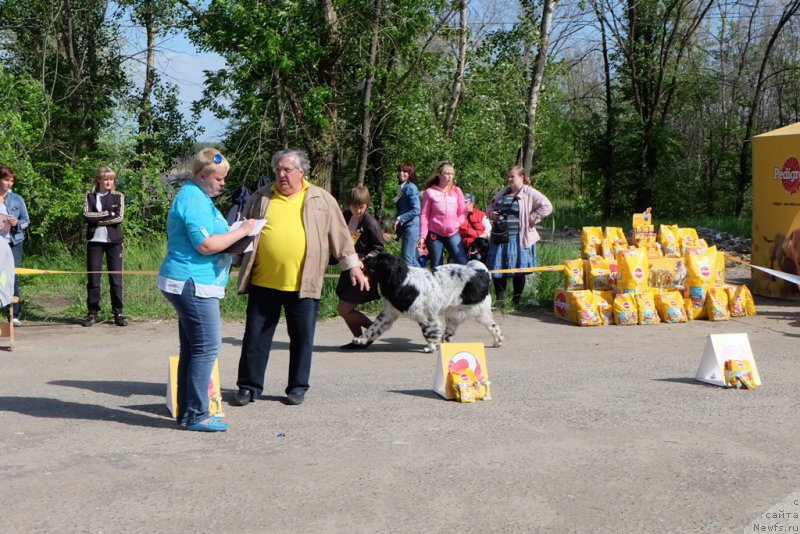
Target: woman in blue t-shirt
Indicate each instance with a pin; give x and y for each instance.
(193, 277)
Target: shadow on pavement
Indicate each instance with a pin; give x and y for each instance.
(116, 387)
(58, 409)
(424, 393)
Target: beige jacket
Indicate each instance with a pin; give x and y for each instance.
(326, 235)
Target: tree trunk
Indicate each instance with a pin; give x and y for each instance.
(745, 147)
(328, 74)
(534, 92)
(458, 81)
(144, 107)
(607, 157)
(364, 144)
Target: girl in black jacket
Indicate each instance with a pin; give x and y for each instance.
(103, 210)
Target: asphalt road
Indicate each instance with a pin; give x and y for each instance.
(590, 430)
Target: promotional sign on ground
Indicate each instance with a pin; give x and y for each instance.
(214, 389)
(776, 211)
(458, 357)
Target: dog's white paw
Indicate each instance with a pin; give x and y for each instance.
(428, 349)
(361, 340)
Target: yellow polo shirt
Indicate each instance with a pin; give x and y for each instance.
(281, 249)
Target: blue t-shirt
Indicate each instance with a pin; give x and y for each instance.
(193, 217)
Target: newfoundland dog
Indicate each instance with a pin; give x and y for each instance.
(455, 291)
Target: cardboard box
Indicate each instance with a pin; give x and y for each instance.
(776, 210)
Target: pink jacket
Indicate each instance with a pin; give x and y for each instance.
(533, 207)
(442, 213)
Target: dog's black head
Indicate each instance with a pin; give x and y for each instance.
(386, 269)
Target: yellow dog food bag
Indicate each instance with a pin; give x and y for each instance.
(717, 304)
(670, 307)
(625, 310)
(669, 241)
(601, 274)
(591, 241)
(740, 301)
(633, 270)
(573, 274)
(586, 309)
(614, 240)
(605, 305)
(646, 305)
(700, 269)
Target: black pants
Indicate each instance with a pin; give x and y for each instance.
(500, 287)
(94, 262)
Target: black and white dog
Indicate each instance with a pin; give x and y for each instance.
(457, 291)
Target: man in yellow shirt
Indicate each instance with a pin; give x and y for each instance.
(285, 271)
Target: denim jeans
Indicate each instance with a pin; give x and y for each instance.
(408, 244)
(198, 329)
(263, 312)
(452, 244)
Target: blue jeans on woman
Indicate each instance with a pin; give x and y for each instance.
(409, 235)
(198, 329)
(453, 245)
(263, 312)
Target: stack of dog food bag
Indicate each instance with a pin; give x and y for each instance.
(671, 276)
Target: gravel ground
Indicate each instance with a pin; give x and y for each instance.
(590, 430)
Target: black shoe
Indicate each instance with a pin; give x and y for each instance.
(294, 398)
(90, 320)
(355, 346)
(243, 397)
(120, 320)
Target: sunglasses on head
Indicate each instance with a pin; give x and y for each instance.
(217, 158)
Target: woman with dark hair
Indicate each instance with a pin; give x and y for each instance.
(520, 206)
(406, 225)
(443, 212)
(13, 222)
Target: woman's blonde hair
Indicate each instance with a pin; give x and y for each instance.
(434, 180)
(519, 169)
(209, 160)
(104, 172)
(358, 196)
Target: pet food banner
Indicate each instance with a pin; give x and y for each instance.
(214, 389)
(776, 211)
(459, 357)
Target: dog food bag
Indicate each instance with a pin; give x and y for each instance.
(700, 276)
(717, 304)
(601, 274)
(564, 305)
(625, 310)
(614, 240)
(646, 305)
(605, 305)
(669, 241)
(740, 301)
(633, 270)
(573, 274)
(465, 385)
(719, 270)
(687, 232)
(671, 307)
(586, 309)
(739, 374)
(591, 241)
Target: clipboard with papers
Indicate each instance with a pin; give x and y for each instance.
(245, 244)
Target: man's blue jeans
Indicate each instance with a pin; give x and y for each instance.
(409, 235)
(452, 244)
(198, 329)
(263, 312)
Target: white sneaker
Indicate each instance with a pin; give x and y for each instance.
(16, 322)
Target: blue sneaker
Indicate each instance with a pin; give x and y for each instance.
(212, 424)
